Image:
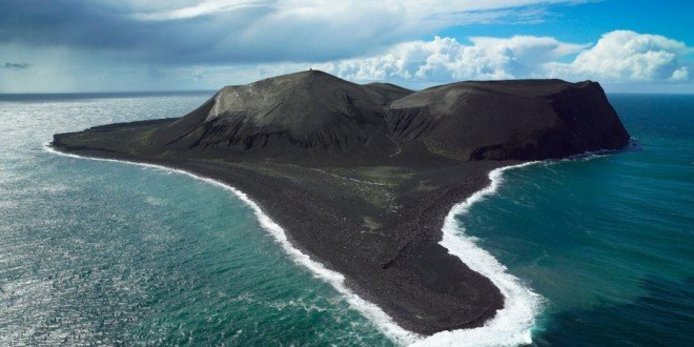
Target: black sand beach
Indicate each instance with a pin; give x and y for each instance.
(362, 176)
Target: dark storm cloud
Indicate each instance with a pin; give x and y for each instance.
(227, 32)
(64, 23)
(222, 38)
(15, 66)
(94, 26)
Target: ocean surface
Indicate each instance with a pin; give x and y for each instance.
(96, 252)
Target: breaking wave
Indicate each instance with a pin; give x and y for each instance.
(512, 324)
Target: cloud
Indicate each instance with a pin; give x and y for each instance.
(431, 9)
(184, 32)
(15, 66)
(619, 56)
(446, 59)
(190, 44)
(623, 55)
(200, 9)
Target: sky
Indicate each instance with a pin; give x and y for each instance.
(64, 46)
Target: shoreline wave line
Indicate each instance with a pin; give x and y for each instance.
(382, 321)
(520, 306)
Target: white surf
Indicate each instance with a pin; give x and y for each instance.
(512, 325)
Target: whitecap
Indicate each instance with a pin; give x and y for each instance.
(513, 324)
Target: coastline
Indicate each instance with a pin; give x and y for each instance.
(381, 320)
(363, 177)
(511, 325)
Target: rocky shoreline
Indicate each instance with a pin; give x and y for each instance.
(362, 177)
(417, 299)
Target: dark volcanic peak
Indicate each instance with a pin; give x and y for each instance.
(362, 176)
(310, 110)
(316, 114)
(314, 117)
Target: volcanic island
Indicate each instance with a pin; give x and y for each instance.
(361, 176)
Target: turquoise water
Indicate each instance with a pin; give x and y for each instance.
(95, 252)
(98, 252)
(608, 241)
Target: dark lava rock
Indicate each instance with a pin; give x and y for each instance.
(362, 176)
(501, 120)
(313, 117)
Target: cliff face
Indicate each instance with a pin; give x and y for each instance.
(500, 120)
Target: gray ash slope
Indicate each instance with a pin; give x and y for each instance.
(362, 176)
(502, 120)
(312, 111)
(315, 114)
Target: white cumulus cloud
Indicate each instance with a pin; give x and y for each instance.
(443, 59)
(619, 56)
(628, 56)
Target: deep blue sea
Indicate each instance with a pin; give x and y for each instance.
(107, 253)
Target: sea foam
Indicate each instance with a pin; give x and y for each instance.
(512, 325)
(383, 322)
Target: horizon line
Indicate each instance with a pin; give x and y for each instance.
(195, 91)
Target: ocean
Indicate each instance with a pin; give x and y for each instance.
(100, 252)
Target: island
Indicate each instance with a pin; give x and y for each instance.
(361, 176)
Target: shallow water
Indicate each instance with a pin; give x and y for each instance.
(102, 252)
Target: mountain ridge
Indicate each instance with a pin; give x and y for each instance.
(315, 116)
